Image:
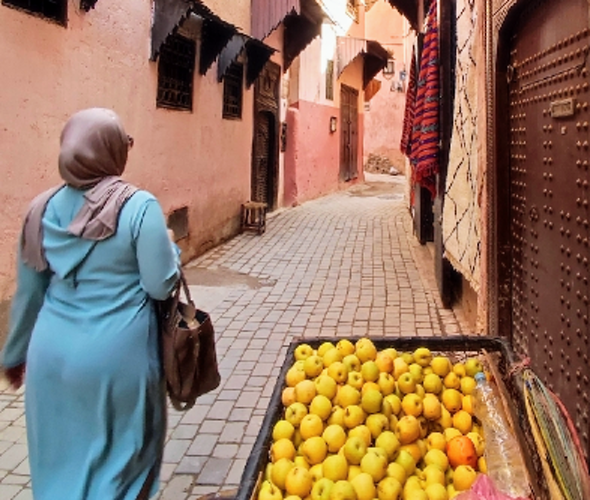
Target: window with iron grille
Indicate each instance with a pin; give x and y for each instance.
(330, 80)
(51, 9)
(176, 68)
(232, 91)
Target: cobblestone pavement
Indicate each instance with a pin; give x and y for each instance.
(346, 264)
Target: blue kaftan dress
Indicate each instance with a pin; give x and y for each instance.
(95, 399)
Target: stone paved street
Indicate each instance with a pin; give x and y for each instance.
(346, 264)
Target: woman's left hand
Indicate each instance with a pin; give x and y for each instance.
(16, 375)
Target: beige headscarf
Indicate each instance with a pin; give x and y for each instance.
(92, 156)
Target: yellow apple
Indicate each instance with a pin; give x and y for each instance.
(321, 489)
(397, 471)
(389, 488)
(436, 441)
(326, 386)
(298, 482)
(332, 356)
(478, 442)
(282, 429)
(338, 371)
(422, 356)
(416, 370)
(472, 367)
(279, 471)
(452, 400)
(365, 350)
(451, 433)
(375, 464)
(295, 412)
(353, 415)
(437, 457)
(386, 383)
(288, 396)
(325, 347)
(386, 409)
(269, 491)
(377, 423)
(413, 449)
(462, 421)
(408, 357)
(413, 489)
(335, 437)
(345, 346)
(432, 383)
(303, 351)
(467, 385)
(482, 465)
(355, 379)
(352, 363)
(441, 365)
(313, 366)
(297, 439)
(321, 406)
(335, 467)
(371, 401)
(406, 460)
(388, 441)
(463, 477)
(364, 486)
(369, 386)
(363, 432)
(451, 381)
(431, 407)
(348, 396)
(353, 471)
(370, 371)
(384, 362)
(446, 419)
(316, 472)
(342, 490)
(283, 448)
(305, 391)
(354, 449)
(434, 474)
(314, 450)
(459, 369)
(395, 402)
(311, 425)
(408, 429)
(336, 416)
(412, 405)
(436, 491)
(294, 376)
(399, 368)
(301, 461)
(406, 383)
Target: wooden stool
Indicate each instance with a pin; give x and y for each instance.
(254, 216)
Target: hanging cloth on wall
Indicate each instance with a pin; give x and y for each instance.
(424, 155)
(409, 109)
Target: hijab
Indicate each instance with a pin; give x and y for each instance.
(93, 154)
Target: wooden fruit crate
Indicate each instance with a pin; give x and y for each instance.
(498, 350)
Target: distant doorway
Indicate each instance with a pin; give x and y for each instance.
(349, 133)
(265, 152)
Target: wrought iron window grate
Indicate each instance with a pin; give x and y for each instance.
(176, 70)
(51, 9)
(232, 91)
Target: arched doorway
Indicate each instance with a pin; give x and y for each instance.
(542, 192)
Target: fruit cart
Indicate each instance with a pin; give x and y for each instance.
(497, 357)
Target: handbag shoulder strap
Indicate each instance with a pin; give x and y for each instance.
(185, 288)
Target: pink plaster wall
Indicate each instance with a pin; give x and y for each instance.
(102, 59)
(384, 120)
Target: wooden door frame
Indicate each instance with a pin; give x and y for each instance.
(261, 106)
(355, 92)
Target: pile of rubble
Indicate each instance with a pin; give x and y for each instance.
(379, 164)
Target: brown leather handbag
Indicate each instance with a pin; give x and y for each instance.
(188, 349)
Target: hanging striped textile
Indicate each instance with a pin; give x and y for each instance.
(409, 109)
(424, 156)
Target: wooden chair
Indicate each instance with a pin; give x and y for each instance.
(254, 216)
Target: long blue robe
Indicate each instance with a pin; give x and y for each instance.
(95, 398)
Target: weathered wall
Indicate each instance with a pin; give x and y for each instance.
(102, 59)
(384, 119)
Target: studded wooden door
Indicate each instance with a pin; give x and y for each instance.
(265, 144)
(348, 133)
(549, 197)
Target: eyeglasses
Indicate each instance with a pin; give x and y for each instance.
(130, 141)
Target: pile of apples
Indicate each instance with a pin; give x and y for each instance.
(363, 424)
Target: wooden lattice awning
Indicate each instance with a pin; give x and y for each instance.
(374, 56)
(169, 15)
(257, 54)
(409, 9)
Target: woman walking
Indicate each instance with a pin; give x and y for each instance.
(94, 254)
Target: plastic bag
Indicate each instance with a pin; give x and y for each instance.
(484, 489)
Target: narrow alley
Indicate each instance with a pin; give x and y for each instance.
(343, 265)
